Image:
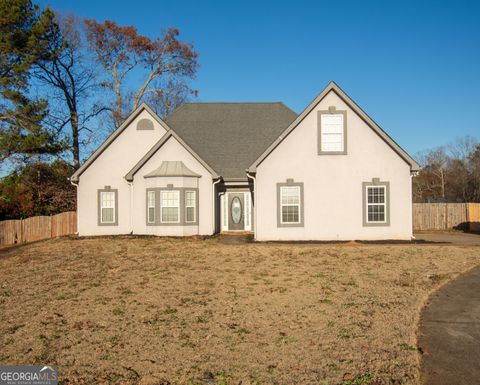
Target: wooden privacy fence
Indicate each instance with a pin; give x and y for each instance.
(446, 216)
(36, 228)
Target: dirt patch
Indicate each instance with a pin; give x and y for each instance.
(185, 311)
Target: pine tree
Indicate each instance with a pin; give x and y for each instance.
(25, 31)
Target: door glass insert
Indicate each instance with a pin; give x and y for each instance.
(236, 210)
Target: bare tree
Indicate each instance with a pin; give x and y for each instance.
(70, 78)
(474, 160)
(459, 170)
(121, 50)
(165, 97)
(461, 147)
(431, 180)
(450, 173)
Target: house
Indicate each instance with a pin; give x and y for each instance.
(330, 173)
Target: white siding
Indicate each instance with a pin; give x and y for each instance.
(172, 150)
(109, 169)
(333, 183)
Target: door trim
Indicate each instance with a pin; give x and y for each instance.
(225, 214)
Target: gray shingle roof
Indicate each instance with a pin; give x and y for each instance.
(230, 136)
(171, 168)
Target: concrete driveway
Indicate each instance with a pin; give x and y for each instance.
(451, 237)
(449, 333)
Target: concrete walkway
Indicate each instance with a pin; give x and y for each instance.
(449, 334)
(456, 238)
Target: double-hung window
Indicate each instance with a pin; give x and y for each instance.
(290, 204)
(376, 203)
(107, 207)
(170, 206)
(190, 206)
(332, 132)
(151, 206)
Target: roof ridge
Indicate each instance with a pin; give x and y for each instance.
(277, 102)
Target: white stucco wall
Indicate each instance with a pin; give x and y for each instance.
(109, 169)
(333, 183)
(172, 150)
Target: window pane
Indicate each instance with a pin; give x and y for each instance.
(170, 198)
(332, 146)
(108, 199)
(151, 214)
(190, 198)
(376, 194)
(190, 212)
(332, 138)
(247, 210)
(169, 214)
(290, 195)
(332, 127)
(332, 123)
(170, 206)
(107, 214)
(290, 214)
(151, 199)
(190, 202)
(376, 213)
(107, 206)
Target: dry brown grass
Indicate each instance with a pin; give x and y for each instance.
(172, 311)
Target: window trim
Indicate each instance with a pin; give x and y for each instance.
(375, 183)
(179, 206)
(150, 207)
(290, 183)
(332, 111)
(194, 206)
(99, 206)
(182, 212)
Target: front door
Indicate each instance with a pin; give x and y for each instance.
(236, 207)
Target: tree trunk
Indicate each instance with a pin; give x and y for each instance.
(443, 183)
(75, 140)
(118, 105)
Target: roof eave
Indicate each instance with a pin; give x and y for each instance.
(130, 175)
(109, 140)
(332, 86)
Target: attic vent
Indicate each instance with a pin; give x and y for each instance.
(145, 124)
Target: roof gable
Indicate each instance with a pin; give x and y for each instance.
(332, 86)
(129, 176)
(110, 139)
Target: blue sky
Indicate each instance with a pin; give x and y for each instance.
(413, 66)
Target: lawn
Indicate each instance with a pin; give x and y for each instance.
(171, 311)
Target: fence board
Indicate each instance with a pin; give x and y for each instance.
(36, 228)
(10, 232)
(64, 224)
(446, 216)
(474, 216)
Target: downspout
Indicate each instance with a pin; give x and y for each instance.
(253, 178)
(412, 175)
(213, 204)
(76, 185)
(130, 185)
